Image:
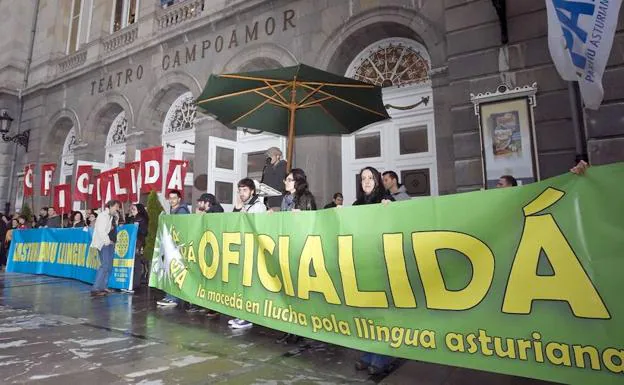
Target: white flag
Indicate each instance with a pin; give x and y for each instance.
(580, 37)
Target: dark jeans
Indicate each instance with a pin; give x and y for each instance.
(106, 266)
(376, 360)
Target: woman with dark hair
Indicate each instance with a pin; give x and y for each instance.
(78, 220)
(91, 219)
(138, 215)
(371, 191)
(22, 222)
(298, 196)
(14, 225)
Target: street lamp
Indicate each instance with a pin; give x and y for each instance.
(21, 138)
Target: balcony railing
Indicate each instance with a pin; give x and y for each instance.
(121, 38)
(179, 13)
(72, 61)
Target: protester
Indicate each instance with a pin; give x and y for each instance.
(4, 227)
(14, 225)
(337, 201)
(23, 222)
(43, 217)
(91, 219)
(371, 191)
(247, 202)
(298, 198)
(53, 220)
(177, 207)
(506, 181)
(273, 176)
(78, 220)
(207, 203)
(9, 235)
(138, 215)
(392, 185)
(104, 238)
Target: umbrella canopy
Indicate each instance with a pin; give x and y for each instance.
(293, 101)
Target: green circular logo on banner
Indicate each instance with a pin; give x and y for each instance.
(122, 244)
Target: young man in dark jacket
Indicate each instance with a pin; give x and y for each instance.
(207, 203)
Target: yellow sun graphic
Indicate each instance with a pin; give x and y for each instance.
(122, 244)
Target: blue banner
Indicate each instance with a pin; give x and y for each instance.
(66, 253)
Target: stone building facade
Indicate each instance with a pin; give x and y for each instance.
(107, 78)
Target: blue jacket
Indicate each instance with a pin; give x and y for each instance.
(182, 209)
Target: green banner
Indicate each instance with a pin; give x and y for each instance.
(523, 281)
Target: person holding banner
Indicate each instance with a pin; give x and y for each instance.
(371, 191)
(78, 220)
(54, 220)
(138, 215)
(4, 228)
(297, 198)
(104, 237)
(248, 202)
(177, 207)
(43, 217)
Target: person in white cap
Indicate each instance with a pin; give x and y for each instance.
(273, 176)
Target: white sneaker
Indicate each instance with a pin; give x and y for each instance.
(240, 324)
(166, 303)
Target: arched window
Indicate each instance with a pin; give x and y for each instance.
(392, 62)
(66, 166)
(116, 141)
(178, 137)
(181, 115)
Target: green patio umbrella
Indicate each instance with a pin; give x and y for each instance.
(293, 101)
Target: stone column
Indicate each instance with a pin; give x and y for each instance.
(445, 154)
(321, 159)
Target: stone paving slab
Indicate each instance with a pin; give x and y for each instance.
(53, 333)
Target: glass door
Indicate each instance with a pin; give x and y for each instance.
(224, 171)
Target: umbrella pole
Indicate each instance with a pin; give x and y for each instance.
(292, 108)
(291, 138)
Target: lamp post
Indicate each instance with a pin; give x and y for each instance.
(21, 138)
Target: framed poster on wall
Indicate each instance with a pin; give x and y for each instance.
(507, 132)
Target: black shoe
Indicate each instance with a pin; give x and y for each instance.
(294, 339)
(361, 365)
(212, 314)
(283, 339)
(374, 370)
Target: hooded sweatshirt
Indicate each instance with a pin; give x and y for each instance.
(401, 194)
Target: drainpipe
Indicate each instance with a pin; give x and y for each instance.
(578, 121)
(21, 102)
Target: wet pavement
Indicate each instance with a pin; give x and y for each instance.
(53, 332)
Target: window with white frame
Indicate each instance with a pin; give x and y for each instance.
(116, 141)
(125, 13)
(73, 40)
